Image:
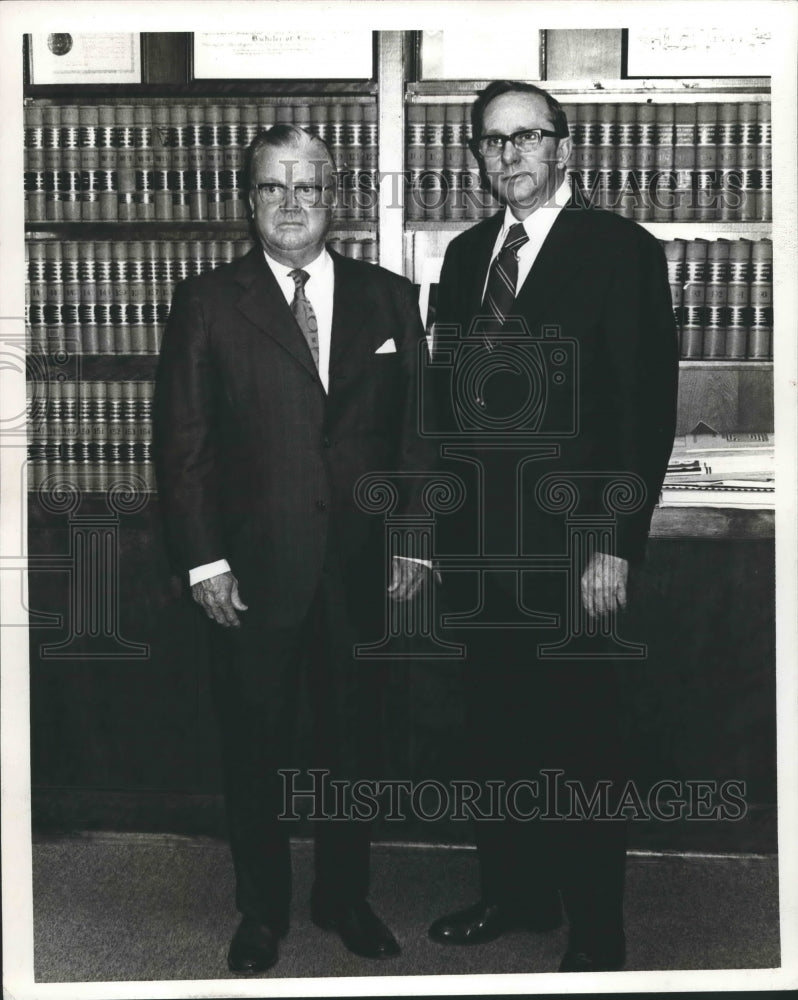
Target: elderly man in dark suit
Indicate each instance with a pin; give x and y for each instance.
(592, 402)
(285, 376)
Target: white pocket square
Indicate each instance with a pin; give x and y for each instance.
(389, 347)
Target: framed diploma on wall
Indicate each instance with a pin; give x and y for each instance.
(284, 55)
(62, 57)
(463, 53)
(697, 51)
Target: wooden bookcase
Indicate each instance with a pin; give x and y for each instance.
(123, 733)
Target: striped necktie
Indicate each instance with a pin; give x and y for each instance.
(503, 276)
(303, 312)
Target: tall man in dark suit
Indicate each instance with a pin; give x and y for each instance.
(594, 402)
(285, 376)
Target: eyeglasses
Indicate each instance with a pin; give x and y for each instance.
(307, 195)
(525, 141)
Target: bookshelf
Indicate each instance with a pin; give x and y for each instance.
(89, 713)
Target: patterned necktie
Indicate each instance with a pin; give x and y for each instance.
(303, 313)
(503, 276)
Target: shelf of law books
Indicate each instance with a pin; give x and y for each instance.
(694, 169)
(124, 198)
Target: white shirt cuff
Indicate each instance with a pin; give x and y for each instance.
(206, 571)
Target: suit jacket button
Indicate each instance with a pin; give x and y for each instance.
(321, 504)
(326, 442)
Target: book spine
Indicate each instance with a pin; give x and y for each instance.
(129, 407)
(35, 199)
(664, 180)
(89, 158)
(166, 287)
(370, 161)
(137, 292)
(36, 418)
(694, 299)
(69, 433)
(645, 156)
(630, 146)
(120, 297)
(353, 119)
(433, 187)
(232, 159)
(415, 160)
(116, 431)
(605, 155)
(55, 433)
(336, 140)
(213, 255)
(764, 206)
(182, 260)
(126, 153)
(85, 479)
(586, 160)
(178, 172)
(706, 161)
(747, 149)
(71, 307)
(54, 311)
(267, 117)
(370, 251)
(760, 347)
(161, 162)
(684, 155)
(54, 207)
(145, 163)
(728, 171)
(107, 197)
(196, 257)
(70, 163)
(214, 163)
(717, 306)
(675, 262)
(738, 297)
(453, 162)
(99, 434)
(145, 392)
(87, 271)
(196, 178)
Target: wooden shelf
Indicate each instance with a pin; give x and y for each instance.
(712, 523)
(158, 230)
(204, 91)
(662, 230)
(671, 91)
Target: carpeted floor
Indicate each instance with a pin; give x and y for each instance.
(152, 907)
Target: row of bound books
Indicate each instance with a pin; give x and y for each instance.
(665, 162)
(103, 297)
(177, 161)
(722, 292)
(90, 434)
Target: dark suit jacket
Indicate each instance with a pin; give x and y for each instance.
(601, 282)
(256, 464)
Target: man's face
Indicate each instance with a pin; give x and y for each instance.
(523, 180)
(292, 198)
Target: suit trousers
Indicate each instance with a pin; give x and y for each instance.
(260, 676)
(546, 726)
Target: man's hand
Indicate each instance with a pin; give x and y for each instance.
(604, 584)
(407, 578)
(219, 598)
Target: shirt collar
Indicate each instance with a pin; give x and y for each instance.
(540, 218)
(320, 268)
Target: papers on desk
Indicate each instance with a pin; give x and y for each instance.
(721, 470)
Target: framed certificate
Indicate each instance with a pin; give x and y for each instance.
(285, 55)
(462, 53)
(697, 51)
(61, 57)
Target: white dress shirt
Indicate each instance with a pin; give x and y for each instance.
(537, 227)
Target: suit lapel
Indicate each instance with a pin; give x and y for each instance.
(263, 303)
(350, 312)
(478, 263)
(551, 267)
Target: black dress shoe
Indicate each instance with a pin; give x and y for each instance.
(603, 959)
(488, 921)
(253, 948)
(359, 927)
